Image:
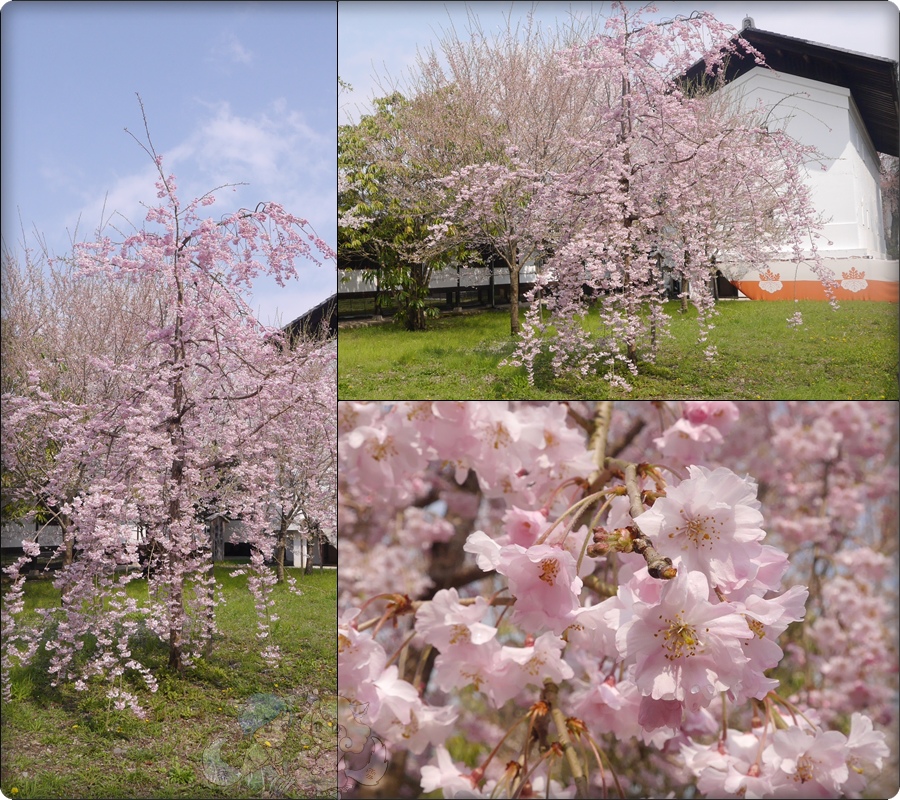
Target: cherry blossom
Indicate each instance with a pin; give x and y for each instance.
(542, 579)
(653, 624)
(711, 523)
(685, 648)
(524, 526)
(447, 776)
(533, 664)
(480, 667)
(643, 148)
(445, 621)
(808, 765)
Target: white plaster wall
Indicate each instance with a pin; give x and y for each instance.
(13, 533)
(478, 276)
(845, 186)
(299, 547)
(351, 280)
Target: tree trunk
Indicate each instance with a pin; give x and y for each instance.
(69, 556)
(308, 568)
(209, 613)
(176, 473)
(514, 267)
(416, 296)
(415, 319)
(176, 608)
(280, 545)
(685, 286)
(217, 538)
(176, 599)
(630, 346)
(514, 300)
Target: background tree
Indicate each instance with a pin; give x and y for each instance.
(305, 460)
(527, 107)
(890, 197)
(486, 130)
(59, 327)
(385, 208)
(375, 229)
(587, 152)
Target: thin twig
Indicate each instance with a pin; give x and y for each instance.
(550, 695)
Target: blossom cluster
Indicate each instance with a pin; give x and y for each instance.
(620, 565)
(796, 761)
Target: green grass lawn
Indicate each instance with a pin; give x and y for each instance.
(851, 353)
(64, 743)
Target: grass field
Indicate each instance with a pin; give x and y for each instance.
(851, 353)
(198, 740)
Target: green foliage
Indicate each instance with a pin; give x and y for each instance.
(465, 750)
(851, 353)
(22, 686)
(181, 774)
(384, 213)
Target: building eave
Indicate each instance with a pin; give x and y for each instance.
(872, 80)
(314, 320)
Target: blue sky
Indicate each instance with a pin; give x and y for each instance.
(381, 38)
(233, 91)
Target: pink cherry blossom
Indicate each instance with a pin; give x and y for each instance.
(524, 526)
(531, 666)
(542, 578)
(650, 669)
(734, 768)
(808, 765)
(722, 414)
(402, 715)
(709, 523)
(164, 402)
(702, 425)
(686, 441)
(447, 776)
(445, 622)
(685, 648)
(612, 706)
(361, 659)
(479, 667)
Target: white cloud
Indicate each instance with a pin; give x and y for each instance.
(229, 48)
(281, 155)
(122, 208)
